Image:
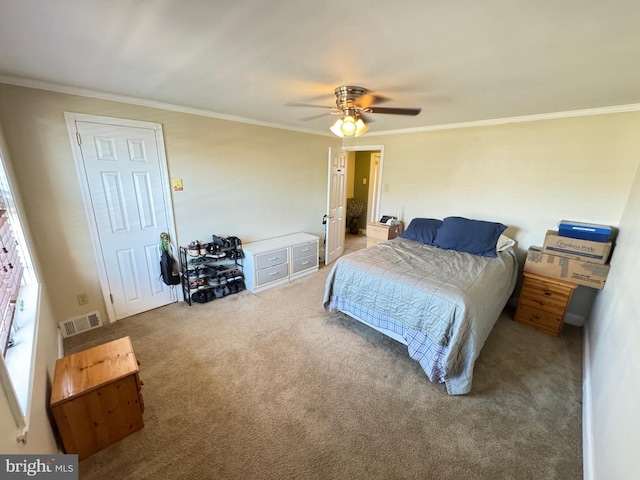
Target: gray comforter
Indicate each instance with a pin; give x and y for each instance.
(453, 298)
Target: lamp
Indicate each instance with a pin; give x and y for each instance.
(350, 125)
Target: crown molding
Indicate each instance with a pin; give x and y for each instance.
(633, 107)
(83, 92)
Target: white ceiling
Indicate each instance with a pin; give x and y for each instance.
(460, 61)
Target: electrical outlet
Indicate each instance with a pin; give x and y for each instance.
(82, 299)
(386, 187)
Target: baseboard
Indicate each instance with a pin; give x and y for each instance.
(587, 410)
(573, 319)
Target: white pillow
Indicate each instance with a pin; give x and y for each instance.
(504, 242)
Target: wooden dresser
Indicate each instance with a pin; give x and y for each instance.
(95, 397)
(379, 232)
(543, 302)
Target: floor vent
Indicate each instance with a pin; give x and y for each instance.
(80, 324)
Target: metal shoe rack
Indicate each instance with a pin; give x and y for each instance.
(214, 274)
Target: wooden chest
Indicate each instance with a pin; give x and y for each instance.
(95, 397)
(543, 302)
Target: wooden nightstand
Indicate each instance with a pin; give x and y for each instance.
(378, 232)
(543, 302)
(95, 397)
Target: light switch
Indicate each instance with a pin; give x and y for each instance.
(364, 181)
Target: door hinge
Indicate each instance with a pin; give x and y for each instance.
(111, 297)
(78, 139)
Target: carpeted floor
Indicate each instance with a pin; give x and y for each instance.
(271, 386)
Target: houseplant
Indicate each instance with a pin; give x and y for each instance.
(355, 208)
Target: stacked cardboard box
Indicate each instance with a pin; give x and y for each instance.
(576, 252)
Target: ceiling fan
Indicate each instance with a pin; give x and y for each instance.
(353, 104)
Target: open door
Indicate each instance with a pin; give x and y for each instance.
(336, 205)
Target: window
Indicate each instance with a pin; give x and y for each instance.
(19, 297)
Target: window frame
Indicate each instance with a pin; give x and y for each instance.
(17, 369)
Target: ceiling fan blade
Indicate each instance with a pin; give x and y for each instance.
(366, 100)
(310, 105)
(394, 111)
(313, 117)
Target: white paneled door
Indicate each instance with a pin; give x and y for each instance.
(125, 185)
(336, 200)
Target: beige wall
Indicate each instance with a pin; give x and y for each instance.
(613, 357)
(249, 181)
(525, 175)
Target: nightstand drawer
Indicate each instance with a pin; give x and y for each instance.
(377, 231)
(549, 303)
(543, 302)
(549, 288)
(270, 259)
(537, 318)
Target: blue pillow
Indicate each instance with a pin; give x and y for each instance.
(422, 230)
(471, 236)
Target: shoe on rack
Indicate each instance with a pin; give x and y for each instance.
(199, 297)
(203, 248)
(193, 249)
(218, 241)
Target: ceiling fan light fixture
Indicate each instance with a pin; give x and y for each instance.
(335, 128)
(361, 128)
(348, 127)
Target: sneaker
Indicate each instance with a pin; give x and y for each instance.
(193, 249)
(203, 248)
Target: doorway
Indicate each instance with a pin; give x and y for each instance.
(124, 179)
(364, 173)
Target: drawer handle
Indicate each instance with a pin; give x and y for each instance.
(273, 258)
(273, 273)
(306, 263)
(305, 250)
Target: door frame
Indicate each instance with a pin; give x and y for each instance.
(377, 195)
(71, 118)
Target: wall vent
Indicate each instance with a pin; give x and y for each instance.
(81, 324)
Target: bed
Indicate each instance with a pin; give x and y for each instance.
(439, 289)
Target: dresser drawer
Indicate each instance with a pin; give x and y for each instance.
(270, 259)
(304, 250)
(271, 274)
(303, 263)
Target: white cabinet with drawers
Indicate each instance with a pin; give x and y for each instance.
(279, 260)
